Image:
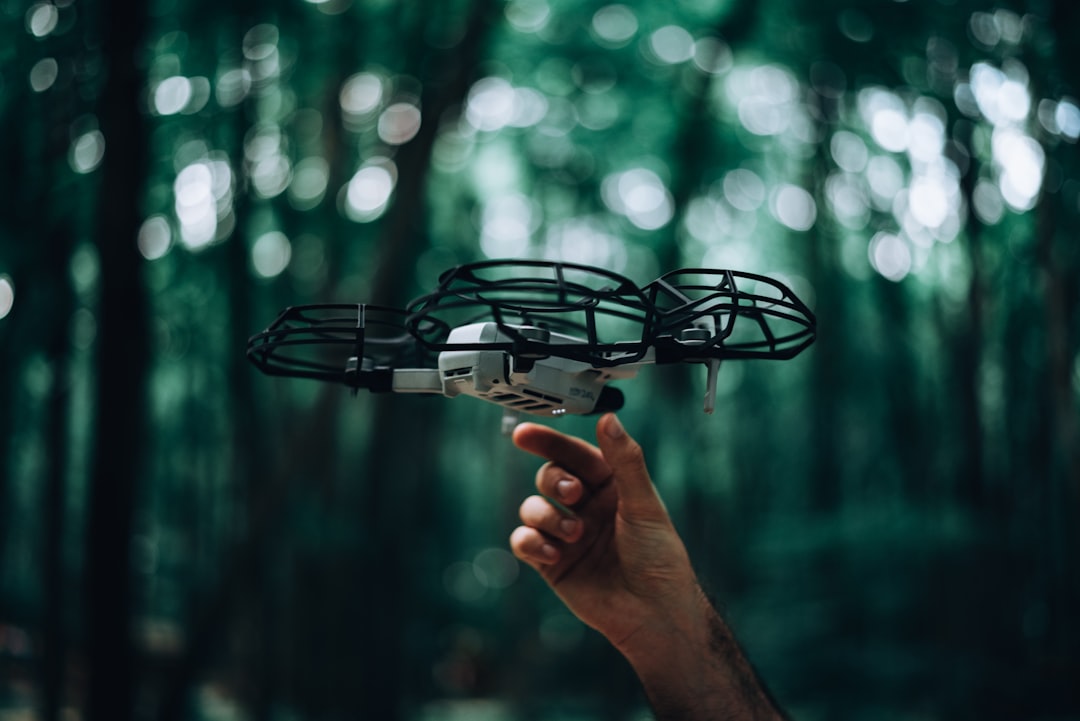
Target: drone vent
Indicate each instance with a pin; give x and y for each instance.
(527, 400)
(535, 394)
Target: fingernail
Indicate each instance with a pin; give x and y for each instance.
(563, 488)
(548, 551)
(568, 526)
(614, 428)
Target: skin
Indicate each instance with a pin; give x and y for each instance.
(609, 550)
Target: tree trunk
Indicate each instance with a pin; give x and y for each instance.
(121, 371)
(967, 349)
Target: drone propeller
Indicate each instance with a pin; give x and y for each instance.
(707, 316)
(539, 337)
(727, 314)
(358, 345)
(541, 308)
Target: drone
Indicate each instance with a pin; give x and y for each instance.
(538, 337)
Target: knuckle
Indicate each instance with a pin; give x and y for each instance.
(632, 454)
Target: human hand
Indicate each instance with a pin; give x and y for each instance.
(613, 556)
(615, 559)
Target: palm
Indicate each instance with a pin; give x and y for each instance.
(618, 567)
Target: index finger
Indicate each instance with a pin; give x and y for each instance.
(575, 455)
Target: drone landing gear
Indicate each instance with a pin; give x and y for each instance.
(713, 365)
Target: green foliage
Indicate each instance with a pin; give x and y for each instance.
(890, 519)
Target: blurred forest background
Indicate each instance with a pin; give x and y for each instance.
(890, 520)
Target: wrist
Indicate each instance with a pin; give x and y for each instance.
(691, 666)
(669, 634)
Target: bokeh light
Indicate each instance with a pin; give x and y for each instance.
(1021, 162)
(172, 95)
(155, 237)
(932, 198)
(84, 328)
(527, 16)
(744, 189)
(1067, 119)
(203, 197)
(195, 207)
(44, 74)
(848, 151)
(641, 196)
(7, 295)
(885, 114)
(614, 25)
(399, 123)
(926, 132)
(232, 87)
(586, 241)
(360, 95)
(85, 269)
(672, 44)
(86, 152)
(707, 219)
(309, 181)
(462, 582)
(990, 29)
(268, 165)
(886, 179)
(490, 104)
(41, 19)
(1002, 98)
(766, 98)
(496, 568)
(847, 197)
(261, 53)
(712, 55)
(794, 207)
(890, 256)
(506, 226)
(270, 254)
(987, 202)
(369, 190)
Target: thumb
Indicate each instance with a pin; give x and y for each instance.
(637, 496)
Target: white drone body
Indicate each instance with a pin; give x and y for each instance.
(545, 386)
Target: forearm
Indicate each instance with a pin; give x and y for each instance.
(692, 668)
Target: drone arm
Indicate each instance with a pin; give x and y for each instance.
(417, 380)
(391, 380)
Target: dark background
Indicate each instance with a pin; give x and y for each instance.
(889, 520)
